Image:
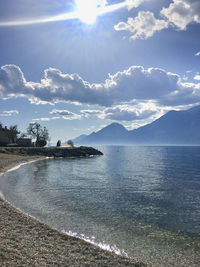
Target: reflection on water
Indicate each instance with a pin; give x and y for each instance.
(143, 200)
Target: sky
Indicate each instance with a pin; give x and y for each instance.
(77, 66)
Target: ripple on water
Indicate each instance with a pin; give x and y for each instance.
(137, 201)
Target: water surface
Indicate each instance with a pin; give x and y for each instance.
(141, 200)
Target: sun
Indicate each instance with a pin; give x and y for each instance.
(87, 10)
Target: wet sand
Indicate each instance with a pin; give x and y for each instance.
(24, 241)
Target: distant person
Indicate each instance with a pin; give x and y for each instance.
(58, 143)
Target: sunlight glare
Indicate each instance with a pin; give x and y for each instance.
(88, 10)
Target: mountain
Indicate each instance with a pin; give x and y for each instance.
(175, 127)
(112, 134)
(80, 138)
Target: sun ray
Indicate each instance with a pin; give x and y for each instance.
(65, 16)
(87, 12)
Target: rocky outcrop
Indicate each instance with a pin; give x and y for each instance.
(81, 151)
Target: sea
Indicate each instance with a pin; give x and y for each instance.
(142, 202)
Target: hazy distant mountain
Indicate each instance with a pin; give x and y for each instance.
(175, 127)
(79, 139)
(112, 134)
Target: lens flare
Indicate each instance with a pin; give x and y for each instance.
(87, 11)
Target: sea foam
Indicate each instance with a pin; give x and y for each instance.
(101, 245)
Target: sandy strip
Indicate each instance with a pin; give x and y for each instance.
(24, 241)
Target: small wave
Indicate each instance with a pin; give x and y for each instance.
(18, 166)
(2, 196)
(22, 164)
(101, 245)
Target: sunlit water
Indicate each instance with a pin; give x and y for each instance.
(141, 201)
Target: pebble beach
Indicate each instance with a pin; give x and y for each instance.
(24, 241)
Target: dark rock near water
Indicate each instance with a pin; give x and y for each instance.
(81, 151)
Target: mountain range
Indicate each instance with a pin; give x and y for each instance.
(175, 127)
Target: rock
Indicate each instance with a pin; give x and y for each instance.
(82, 151)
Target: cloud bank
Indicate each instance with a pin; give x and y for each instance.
(65, 114)
(181, 13)
(197, 77)
(120, 113)
(143, 26)
(135, 83)
(178, 14)
(8, 113)
(134, 3)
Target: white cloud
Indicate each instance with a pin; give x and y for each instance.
(134, 3)
(91, 113)
(138, 83)
(143, 26)
(188, 94)
(197, 77)
(185, 78)
(138, 114)
(197, 54)
(133, 84)
(181, 13)
(55, 118)
(60, 114)
(8, 113)
(125, 113)
(134, 125)
(42, 119)
(64, 114)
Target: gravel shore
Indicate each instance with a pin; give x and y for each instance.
(24, 241)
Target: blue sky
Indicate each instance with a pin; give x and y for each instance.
(75, 75)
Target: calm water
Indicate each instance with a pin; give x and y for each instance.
(143, 201)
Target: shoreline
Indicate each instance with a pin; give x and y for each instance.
(24, 241)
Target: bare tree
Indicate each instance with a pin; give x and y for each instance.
(23, 135)
(13, 132)
(41, 134)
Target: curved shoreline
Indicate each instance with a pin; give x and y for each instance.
(24, 241)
